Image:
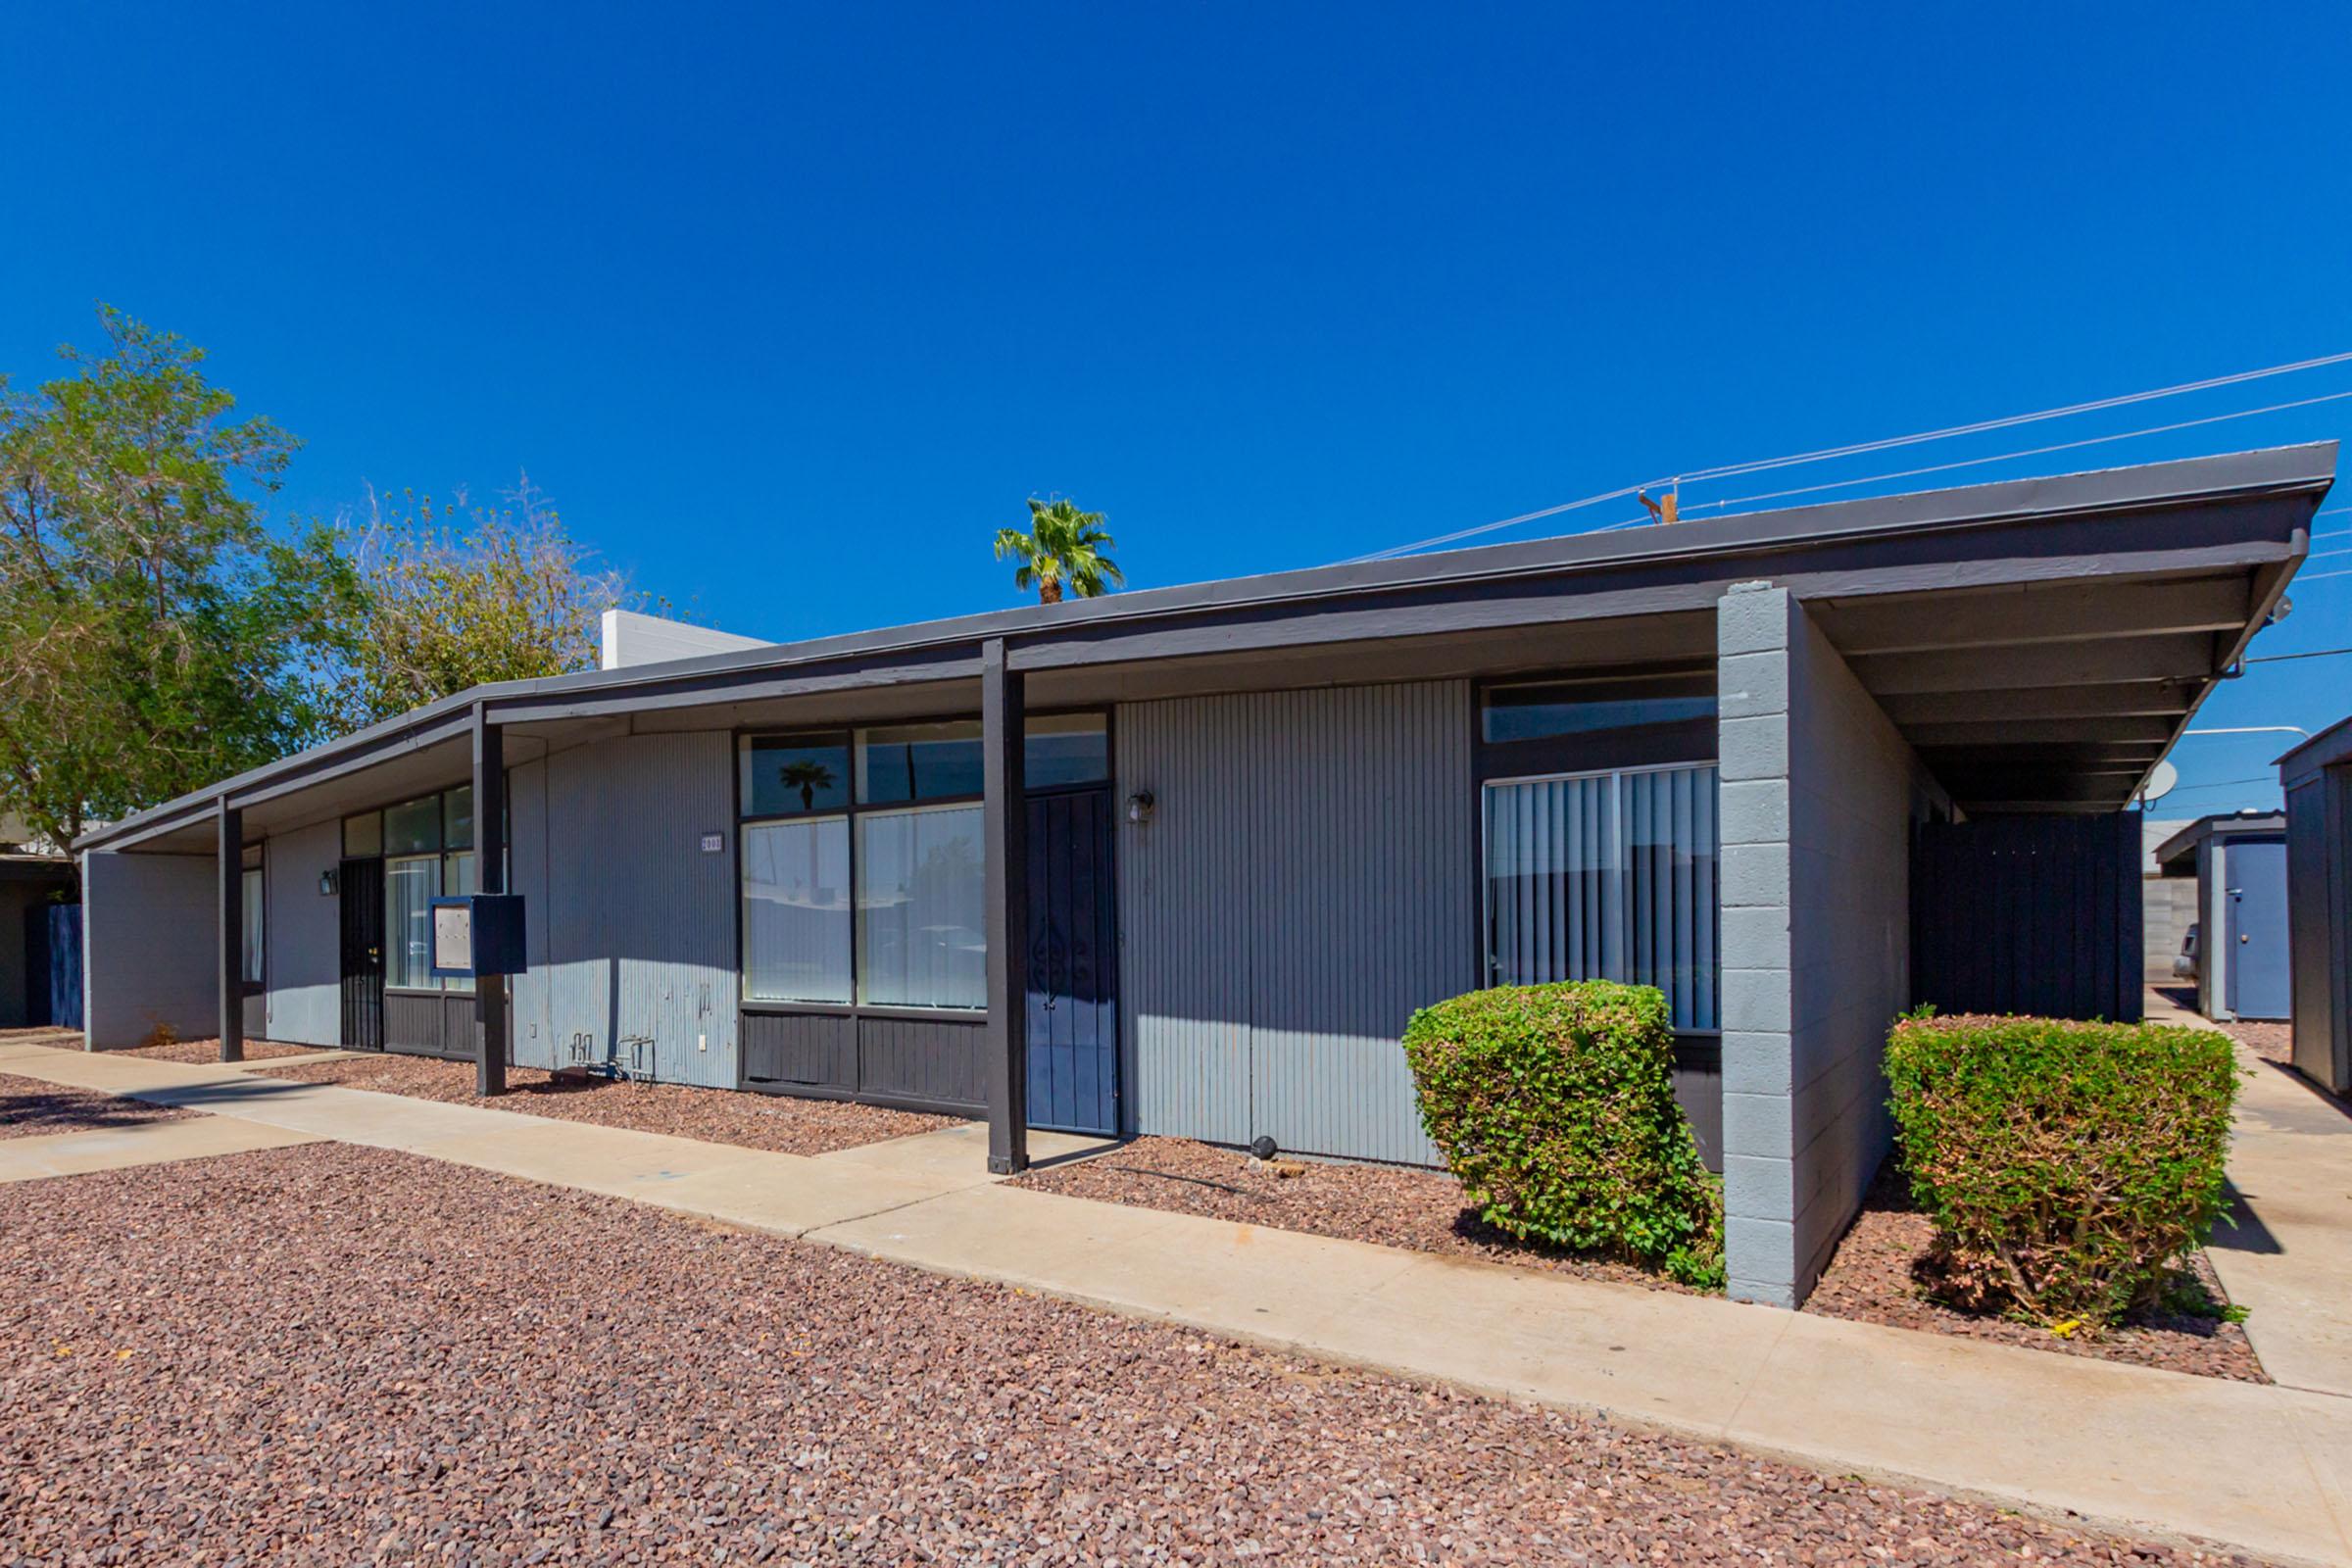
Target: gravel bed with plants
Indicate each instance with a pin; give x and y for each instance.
(330, 1354)
(31, 1109)
(1872, 1278)
(207, 1051)
(1391, 1205)
(714, 1115)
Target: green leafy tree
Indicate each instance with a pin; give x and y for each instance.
(1061, 548)
(457, 594)
(154, 635)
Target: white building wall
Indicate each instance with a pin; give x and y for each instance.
(302, 950)
(630, 923)
(151, 948)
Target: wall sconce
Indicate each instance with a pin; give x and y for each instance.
(1140, 805)
(326, 883)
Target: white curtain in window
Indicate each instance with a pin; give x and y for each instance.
(921, 933)
(1608, 876)
(411, 883)
(795, 911)
(1552, 896)
(253, 924)
(457, 878)
(1670, 850)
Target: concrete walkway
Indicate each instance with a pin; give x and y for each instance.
(153, 1143)
(2262, 1469)
(2284, 1254)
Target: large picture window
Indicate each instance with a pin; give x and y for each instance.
(1609, 876)
(428, 845)
(922, 929)
(795, 911)
(864, 859)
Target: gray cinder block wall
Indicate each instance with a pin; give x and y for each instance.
(1819, 792)
(150, 948)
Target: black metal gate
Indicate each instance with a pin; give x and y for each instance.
(1073, 970)
(2033, 915)
(359, 885)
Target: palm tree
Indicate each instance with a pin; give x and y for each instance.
(807, 777)
(1062, 546)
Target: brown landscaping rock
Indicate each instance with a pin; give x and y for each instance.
(714, 1115)
(1392, 1205)
(208, 1051)
(31, 1109)
(329, 1354)
(1872, 1279)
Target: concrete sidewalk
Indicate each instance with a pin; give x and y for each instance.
(2284, 1254)
(2261, 1469)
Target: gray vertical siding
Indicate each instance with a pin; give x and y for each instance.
(1305, 882)
(300, 940)
(630, 925)
(150, 947)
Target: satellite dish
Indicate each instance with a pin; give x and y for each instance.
(2160, 782)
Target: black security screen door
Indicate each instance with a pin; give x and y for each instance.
(361, 886)
(1072, 964)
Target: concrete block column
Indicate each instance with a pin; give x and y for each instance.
(1755, 631)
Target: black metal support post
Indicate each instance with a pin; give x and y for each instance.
(1006, 815)
(231, 824)
(490, 876)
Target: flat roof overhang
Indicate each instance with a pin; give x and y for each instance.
(2040, 642)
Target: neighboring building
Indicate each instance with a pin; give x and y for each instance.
(2168, 905)
(2316, 776)
(35, 878)
(2238, 863)
(1184, 861)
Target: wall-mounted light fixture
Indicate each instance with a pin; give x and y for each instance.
(326, 883)
(1139, 807)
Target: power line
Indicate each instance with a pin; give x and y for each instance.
(2322, 576)
(2034, 452)
(1825, 453)
(2222, 784)
(2275, 659)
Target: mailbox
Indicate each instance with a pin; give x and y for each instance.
(477, 934)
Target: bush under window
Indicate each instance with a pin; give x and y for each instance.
(2065, 1164)
(1554, 1106)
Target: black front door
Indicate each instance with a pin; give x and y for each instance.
(1073, 970)
(360, 883)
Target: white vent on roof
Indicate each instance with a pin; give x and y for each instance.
(632, 639)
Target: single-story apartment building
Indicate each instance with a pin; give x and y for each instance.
(2317, 777)
(1185, 860)
(2237, 862)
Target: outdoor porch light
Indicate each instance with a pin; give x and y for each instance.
(326, 883)
(1139, 807)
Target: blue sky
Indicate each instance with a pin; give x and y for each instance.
(788, 308)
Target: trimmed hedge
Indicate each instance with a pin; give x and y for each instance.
(1554, 1106)
(2065, 1164)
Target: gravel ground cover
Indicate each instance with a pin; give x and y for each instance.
(31, 1109)
(714, 1115)
(1418, 1209)
(208, 1051)
(2274, 1043)
(450, 1366)
(1870, 1279)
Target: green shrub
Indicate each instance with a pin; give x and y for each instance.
(2064, 1164)
(1554, 1106)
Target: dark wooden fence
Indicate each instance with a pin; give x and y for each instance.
(2037, 915)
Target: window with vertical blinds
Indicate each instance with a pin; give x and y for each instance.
(1608, 876)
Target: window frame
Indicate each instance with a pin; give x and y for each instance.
(849, 814)
(441, 853)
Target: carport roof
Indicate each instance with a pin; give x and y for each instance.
(2041, 640)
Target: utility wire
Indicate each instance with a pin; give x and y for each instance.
(2277, 659)
(1825, 453)
(2034, 452)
